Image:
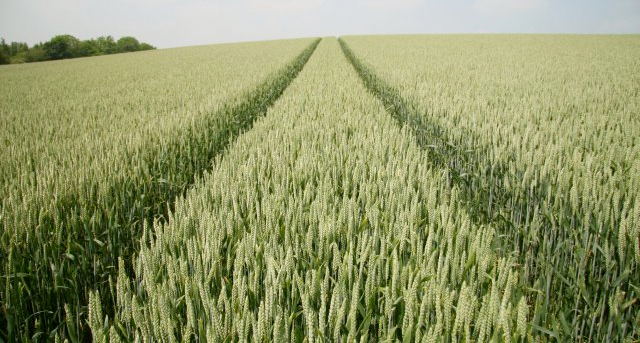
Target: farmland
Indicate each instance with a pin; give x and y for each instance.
(371, 188)
(543, 142)
(92, 149)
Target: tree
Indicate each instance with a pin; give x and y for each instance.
(4, 59)
(128, 44)
(4, 52)
(146, 46)
(17, 52)
(88, 47)
(105, 45)
(62, 46)
(67, 46)
(17, 47)
(36, 54)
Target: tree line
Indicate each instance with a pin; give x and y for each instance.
(68, 46)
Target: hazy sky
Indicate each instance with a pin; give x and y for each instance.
(170, 23)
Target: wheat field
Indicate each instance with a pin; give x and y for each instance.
(427, 188)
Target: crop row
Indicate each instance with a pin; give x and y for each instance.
(538, 134)
(325, 222)
(87, 164)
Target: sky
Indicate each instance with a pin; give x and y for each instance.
(174, 23)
